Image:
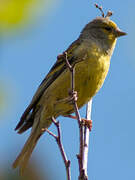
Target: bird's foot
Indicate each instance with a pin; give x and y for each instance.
(86, 122)
(73, 96)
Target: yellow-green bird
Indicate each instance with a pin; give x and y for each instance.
(90, 55)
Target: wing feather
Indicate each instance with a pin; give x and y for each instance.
(53, 74)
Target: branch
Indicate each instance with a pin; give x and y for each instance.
(60, 145)
(80, 156)
(84, 130)
(86, 139)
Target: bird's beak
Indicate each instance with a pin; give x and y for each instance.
(120, 33)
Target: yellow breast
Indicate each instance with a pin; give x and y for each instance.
(89, 76)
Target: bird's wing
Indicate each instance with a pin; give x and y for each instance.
(53, 74)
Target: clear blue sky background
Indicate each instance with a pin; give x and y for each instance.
(25, 59)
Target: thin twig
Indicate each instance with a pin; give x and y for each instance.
(74, 93)
(109, 13)
(49, 132)
(101, 9)
(60, 145)
(81, 127)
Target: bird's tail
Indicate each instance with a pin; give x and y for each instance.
(26, 152)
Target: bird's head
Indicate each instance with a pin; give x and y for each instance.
(102, 28)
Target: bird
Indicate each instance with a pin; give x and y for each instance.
(90, 56)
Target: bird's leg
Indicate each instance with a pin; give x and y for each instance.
(85, 121)
(73, 96)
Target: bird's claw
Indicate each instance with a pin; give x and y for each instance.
(73, 96)
(87, 123)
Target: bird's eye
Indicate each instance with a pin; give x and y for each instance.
(108, 28)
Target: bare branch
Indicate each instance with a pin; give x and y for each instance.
(101, 9)
(60, 145)
(86, 139)
(78, 117)
(50, 133)
(109, 13)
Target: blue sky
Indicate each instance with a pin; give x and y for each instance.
(25, 59)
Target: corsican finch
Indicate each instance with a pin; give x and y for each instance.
(90, 55)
